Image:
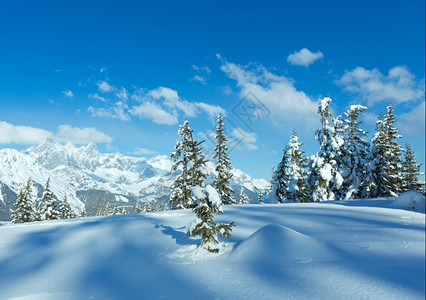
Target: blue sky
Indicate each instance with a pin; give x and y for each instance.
(124, 74)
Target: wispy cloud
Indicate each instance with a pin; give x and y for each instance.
(212, 110)
(201, 69)
(122, 94)
(162, 105)
(399, 85)
(96, 96)
(199, 78)
(104, 86)
(142, 151)
(202, 72)
(247, 140)
(118, 111)
(304, 57)
(68, 93)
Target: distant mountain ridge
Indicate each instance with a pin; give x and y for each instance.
(84, 175)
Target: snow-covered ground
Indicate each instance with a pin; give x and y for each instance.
(359, 249)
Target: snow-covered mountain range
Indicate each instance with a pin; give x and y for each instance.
(86, 176)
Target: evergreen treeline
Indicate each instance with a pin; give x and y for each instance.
(27, 209)
(45, 208)
(347, 165)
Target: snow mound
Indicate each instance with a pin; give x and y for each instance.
(275, 242)
(412, 200)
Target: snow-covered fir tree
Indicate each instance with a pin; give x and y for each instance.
(208, 203)
(47, 209)
(411, 171)
(138, 208)
(24, 206)
(116, 210)
(100, 207)
(259, 195)
(223, 165)
(180, 196)
(294, 177)
(83, 213)
(148, 207)
(279, 177)
(325, 179)
(384, 178)
(243, 197)
(123, 211)
(197, 170)
(271, 184)
(65, 209)
(107, 211)
(394, 167)
(354, 153)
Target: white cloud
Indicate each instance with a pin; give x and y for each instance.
(304, 57)
(413, 123)
(122, 94)
(212, 110)
(118, 111)
(172, 100)
(201, 69)
(150, 110)
(68, 94)
(75, 135)
(164, 92)
(101, 70)
(199, 78)
(104, 86)
(11, 134)
(143, 151)
(275, 93)
(96, 96)
(369, 118)
(400, 85)
(247, 140)
(161, 105)
(227, 90)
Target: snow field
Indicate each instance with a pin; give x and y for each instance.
(332, 250)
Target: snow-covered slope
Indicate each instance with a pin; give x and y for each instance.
(334, 250)
(83, 173)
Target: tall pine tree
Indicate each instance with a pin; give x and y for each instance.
(181, 188)
(243, 197)
(325, 179)
(355, 151)
(296, 189)
(384, 173)
(187, 154)
(279, 178)
(223, 165)
(411, 171)
(65, 209)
